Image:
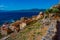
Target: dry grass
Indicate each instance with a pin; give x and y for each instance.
(32, 32)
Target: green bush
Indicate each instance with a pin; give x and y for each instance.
(55, 10)
(0, 36)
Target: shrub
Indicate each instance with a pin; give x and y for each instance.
(0, 36)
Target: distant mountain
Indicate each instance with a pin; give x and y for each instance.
(32, 10)
(3, 11)
(23, 10)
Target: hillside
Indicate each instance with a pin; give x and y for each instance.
(40, 27)
(37, 30)
(34, 31)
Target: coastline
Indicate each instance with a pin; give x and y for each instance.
(9, 17)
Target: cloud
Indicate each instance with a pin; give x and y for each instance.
(2, 7)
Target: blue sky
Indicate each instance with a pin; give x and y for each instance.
(26, 4)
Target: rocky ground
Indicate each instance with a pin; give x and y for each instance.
(57, 35)
(36, 31)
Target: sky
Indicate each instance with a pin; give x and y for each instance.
(26, 4)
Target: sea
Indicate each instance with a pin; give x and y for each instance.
(13, 16)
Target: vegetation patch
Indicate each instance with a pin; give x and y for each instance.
(0, 36)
